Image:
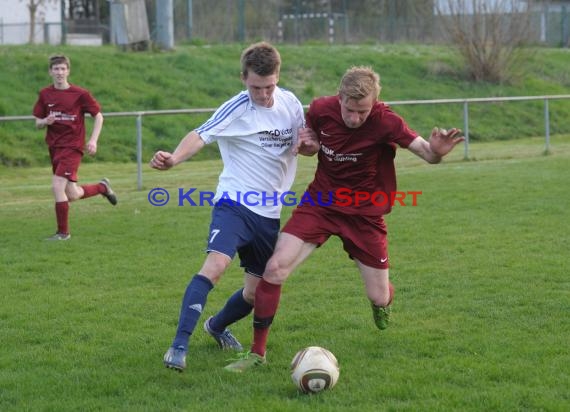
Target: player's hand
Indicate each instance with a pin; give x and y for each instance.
(50, 119)
(307, 142)
(91, 148)
(443, 141)
(162, 161)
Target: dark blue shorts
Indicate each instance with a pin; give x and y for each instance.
(235, 228)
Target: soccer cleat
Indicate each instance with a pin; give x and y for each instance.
(225, 339)
(381, 314)
(175, 358)
(60, 236)
(245, 361)
(109, 194)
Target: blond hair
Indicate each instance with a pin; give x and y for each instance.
(359, 82)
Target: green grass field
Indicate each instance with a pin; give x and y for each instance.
(480, 319)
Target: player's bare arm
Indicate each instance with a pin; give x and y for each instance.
(91, 146)
(307, 142)
(191, 144)
(441, 142)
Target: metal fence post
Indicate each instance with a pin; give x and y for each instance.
(139, 151)
(546, 127)
(63, 25)
(466, 130)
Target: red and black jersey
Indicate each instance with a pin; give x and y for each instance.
(357, 160)
(69, 106)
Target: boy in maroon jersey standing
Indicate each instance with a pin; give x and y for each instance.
(61, 108)
(358, 136)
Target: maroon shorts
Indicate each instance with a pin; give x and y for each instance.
(65, 162)
(363, 237)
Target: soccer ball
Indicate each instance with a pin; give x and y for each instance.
(314, 369)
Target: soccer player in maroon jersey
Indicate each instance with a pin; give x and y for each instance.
(61, 108)
(358, 136)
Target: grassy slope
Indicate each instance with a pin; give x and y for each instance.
(204, 76)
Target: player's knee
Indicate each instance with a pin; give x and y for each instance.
(275, 272)
(73, 192)
(215, 266)
(72, 196)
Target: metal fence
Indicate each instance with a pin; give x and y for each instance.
(336, 21)
(465, 103)
(19, 33)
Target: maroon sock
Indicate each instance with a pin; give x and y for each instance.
(92, 190)
(62, 216)
(267, 297)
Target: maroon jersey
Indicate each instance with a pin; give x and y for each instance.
(356, 163)
(69, 107)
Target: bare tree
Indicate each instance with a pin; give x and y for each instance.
(489, 34)
(33, 6)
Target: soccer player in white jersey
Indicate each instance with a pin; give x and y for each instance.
(259, 132)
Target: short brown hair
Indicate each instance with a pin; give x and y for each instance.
(359, 82)
(261, 58)
(59, 59)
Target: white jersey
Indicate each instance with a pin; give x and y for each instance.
(256, 147)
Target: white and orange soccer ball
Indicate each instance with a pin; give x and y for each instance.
(314, 369)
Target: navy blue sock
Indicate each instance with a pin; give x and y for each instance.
(236, 308)
(192, 306)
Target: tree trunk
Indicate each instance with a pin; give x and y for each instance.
(33, 7)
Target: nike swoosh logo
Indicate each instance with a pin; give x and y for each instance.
(383, 260)
(51, 104)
